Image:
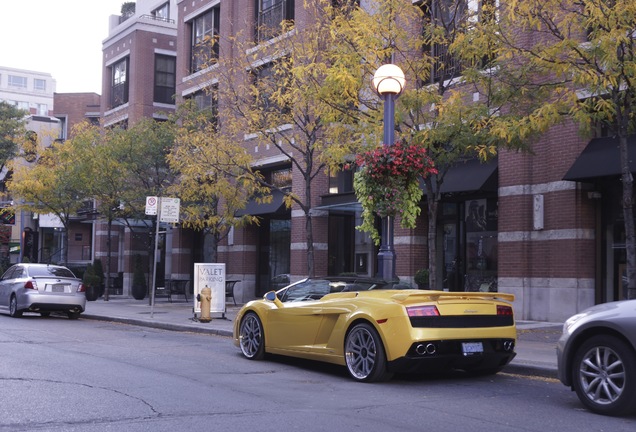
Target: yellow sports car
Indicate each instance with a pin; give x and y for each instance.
(375, 330)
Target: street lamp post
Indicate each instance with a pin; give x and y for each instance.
(388, 82)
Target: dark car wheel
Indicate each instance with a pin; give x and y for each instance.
(364, 354)
(13, 308)
(251, 337)
(604, 375)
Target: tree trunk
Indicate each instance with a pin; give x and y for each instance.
(432, 204)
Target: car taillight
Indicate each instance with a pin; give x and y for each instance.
(81, 288)
(419, 311)
(504, 310)
(30, 285)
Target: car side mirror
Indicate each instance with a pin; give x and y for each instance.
(270, 296)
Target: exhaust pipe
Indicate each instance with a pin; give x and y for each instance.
(428, 349)
(508, 345)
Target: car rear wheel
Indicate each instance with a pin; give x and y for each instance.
(364, 354)
(13, 308)
(251, 337)
(604, 375)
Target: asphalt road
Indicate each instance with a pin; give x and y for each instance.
(62, 375)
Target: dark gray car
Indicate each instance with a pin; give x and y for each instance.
(41, 288)
(597, 357)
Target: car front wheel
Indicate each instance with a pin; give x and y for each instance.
(364, 354)
(13, 308)
(604, 375)
(252, 340)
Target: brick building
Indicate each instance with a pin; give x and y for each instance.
(545, 226)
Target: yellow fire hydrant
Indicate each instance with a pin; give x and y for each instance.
(205, 298)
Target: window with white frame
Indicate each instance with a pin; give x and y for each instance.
(43, 109)
(204, 45)
(17, 81)
(162, 12)
(119, 83)
(39, 84)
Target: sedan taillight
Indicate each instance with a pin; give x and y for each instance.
(81, 288)
(504, 310)
(30, 285)
(420, 311)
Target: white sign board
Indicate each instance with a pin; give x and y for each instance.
(212, 276)
(151, 205)
(169, 210)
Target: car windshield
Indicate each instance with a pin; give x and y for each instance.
(315, 289)
(50, 271)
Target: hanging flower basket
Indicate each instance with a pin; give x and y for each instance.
(387, 184)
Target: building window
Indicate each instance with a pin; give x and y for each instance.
(165, 79)
(119, 83)
(42, 109)
(17, 81)
(282, 178)
(162, 13)
(39, 84)
(269, 79)
(270, 16)
(205, 46)
(207, 100)
(341, 181)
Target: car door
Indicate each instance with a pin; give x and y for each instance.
(5, 287)
(295, 326)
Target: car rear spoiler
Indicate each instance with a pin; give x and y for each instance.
(446, 295)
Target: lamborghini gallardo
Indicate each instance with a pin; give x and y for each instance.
(376, 330)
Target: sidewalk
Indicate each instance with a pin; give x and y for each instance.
(536, 341)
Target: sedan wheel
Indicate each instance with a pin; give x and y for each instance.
(251, 337)
(13, 308)
(604, 375)
(364, 354)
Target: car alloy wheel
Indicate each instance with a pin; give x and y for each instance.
(251, 337)
(13, 308)
(605, 375)
(364, 354)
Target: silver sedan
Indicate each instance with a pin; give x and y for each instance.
(597, 357)
(41, 288)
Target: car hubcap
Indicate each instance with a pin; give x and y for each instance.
(602, 375)
(251, 336)
(360, 353)
(14, 305)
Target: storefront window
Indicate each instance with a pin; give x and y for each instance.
(481, 245)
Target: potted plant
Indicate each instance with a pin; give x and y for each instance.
(421, 278)
(139, 280)
(99, 272)
(91, 282)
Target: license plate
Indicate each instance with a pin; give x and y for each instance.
(57, 288)
(472, 348)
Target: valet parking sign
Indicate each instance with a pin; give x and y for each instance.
(212, 276)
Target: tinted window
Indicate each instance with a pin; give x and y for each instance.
(51, 271)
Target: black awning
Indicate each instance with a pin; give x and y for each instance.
(601, 158)
(255, 208)
(471, 176)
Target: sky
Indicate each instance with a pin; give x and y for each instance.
(60, 37)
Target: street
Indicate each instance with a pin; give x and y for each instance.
(62, 375)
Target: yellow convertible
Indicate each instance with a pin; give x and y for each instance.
(376, 330)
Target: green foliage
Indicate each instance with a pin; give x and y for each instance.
(139, 278)
(421, 277)
(89, 277)
(99, 270)
(11, 129)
